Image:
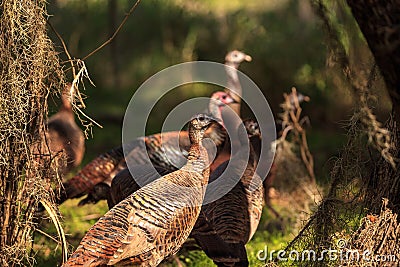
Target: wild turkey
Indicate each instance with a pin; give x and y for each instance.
(163, 155)
(124, 184)
(152, 223)
(64, 135)
(227, 224)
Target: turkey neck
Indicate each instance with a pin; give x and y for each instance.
(198, 162)
(251, 161)
(198, 156)
(234, 85)
(231, 121)
(217, 133)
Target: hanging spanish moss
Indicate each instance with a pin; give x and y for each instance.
(29, 72)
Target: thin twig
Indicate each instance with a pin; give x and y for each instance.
(285, 132)
(64, 47)
(115, 33)
(77, 77)
(47, 235)
(60, 231)
(292, 121)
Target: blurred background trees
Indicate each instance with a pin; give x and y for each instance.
(284, 38)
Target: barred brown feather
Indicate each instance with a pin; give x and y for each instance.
(125, 184)
(93, 173)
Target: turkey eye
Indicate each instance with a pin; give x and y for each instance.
(224, 97)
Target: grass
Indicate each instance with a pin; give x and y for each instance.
(76, 221)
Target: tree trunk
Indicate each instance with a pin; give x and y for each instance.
(379, 21)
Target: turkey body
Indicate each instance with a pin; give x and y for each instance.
(166, 151)
(152, 223)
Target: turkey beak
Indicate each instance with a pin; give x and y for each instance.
(247, 58)
(230, 100)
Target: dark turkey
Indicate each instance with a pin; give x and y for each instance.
(152, 223)
(123, 184)
(227, 224)
(63, 135)
(163, 153)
